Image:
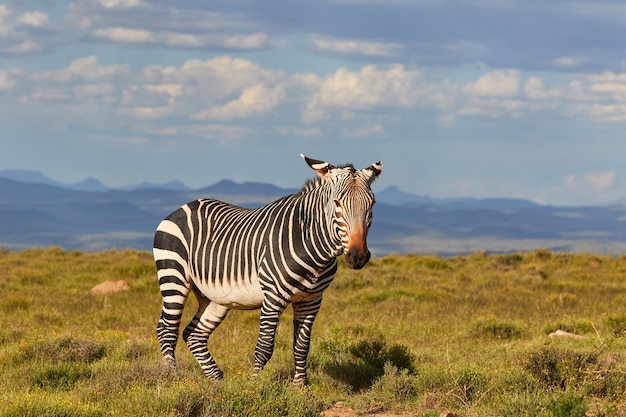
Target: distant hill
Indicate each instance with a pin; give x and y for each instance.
(173, 185)
(36, 177)
(37, 211)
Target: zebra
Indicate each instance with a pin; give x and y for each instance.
(268, 257)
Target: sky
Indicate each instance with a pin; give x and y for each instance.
(458, 98)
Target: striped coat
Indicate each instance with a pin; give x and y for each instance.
(279, 254)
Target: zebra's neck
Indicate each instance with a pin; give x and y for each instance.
(319, 237)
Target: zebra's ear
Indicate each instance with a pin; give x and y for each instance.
(322, 168)
(373, 171)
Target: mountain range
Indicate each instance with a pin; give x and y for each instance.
(38, 211)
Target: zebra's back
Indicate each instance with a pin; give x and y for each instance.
(217, 246)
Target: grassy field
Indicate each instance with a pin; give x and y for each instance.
(418, 335)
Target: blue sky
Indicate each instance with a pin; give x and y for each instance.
(482, 98)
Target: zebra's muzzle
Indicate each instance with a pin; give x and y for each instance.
(357, 258)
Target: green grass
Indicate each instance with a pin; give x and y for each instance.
(417, 334)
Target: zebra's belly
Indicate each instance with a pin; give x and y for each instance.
(238, 294)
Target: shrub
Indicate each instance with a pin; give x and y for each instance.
(358, 364)
(437, 264)
(61, 376)
(617, 324)
(496, 329)
(510, 260)
(64, 349)
(471, 385)
(394, 387)
(561, 369)
(568, 405)
(264, 395)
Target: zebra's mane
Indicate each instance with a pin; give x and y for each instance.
(313, 183)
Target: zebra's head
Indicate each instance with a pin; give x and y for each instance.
(352, 201)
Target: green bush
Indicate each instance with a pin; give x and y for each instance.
(64, 349)
(561, 369)
(496, 329)
(510, 260)
(616, 324)
(358, 364)
(471, 385)
(264, 395)
(59, 376)
(567, 405)
(394, 388)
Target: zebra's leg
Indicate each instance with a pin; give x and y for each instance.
(271, 311)
(304, 314)
(174, 290)
(197, 332)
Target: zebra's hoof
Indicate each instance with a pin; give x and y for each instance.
(168, 367)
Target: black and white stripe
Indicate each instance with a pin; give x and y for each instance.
(284, 252)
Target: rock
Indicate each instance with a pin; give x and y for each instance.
(563, 333)
(110, 287)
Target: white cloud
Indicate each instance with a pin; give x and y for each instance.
(85, 68)
(599, 180)
(353, 103)
(592, 181)
(590, 186)
(495, 84)
(599, 96)
(253, 100)
(223, 76)
(198, 89)
(7, 79)
(35, 18)
(164, 25)
(306, 132)
(222, 88)
(22, 35)
(109, 4)
(567, 61)
(611, 86)
(179, 39)
(24, 47)
(150, 112)
(243, 41)
(369, 87)
(118, 34)
(356, 47)
(84, 82)
(535, 89)
(172, 90)
(607, 76)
